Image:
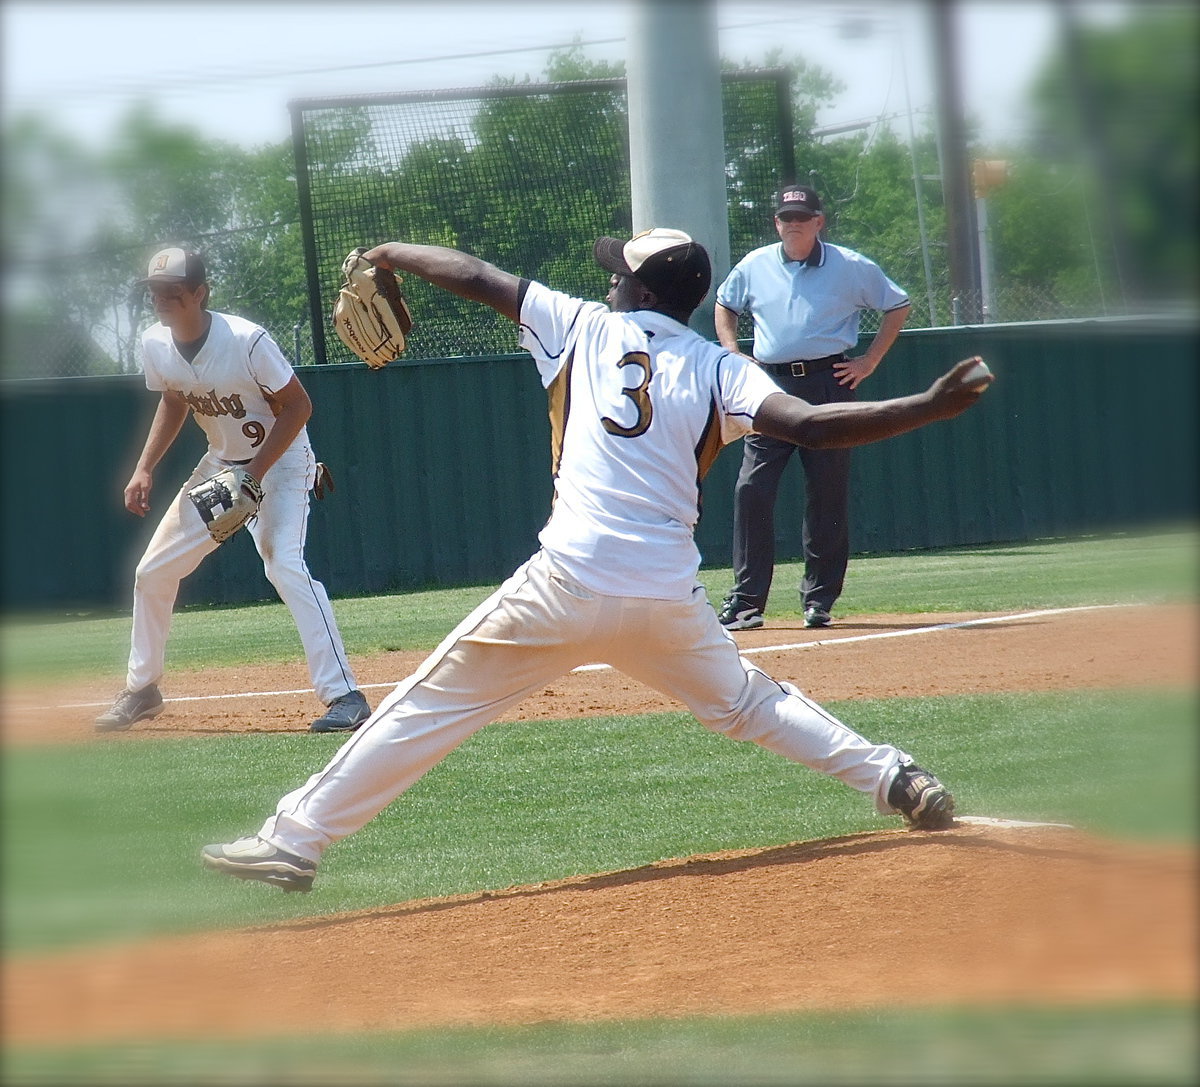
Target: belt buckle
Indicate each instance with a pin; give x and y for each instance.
(799, 370)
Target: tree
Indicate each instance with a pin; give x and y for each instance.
(1130, 104)
(56, 322)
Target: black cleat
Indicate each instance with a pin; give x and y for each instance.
(345, 714)
(923, 800)
(816, 616)
(738, 614)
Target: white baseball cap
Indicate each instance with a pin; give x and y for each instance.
(175, 265)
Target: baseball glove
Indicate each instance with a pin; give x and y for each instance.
(370, 314)
(227, 501)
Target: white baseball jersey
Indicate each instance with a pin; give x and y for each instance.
(639, 405)
(634, 397)
(227, 385)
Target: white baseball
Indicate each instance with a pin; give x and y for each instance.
(978, 371)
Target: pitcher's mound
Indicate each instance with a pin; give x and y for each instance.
(980, 913)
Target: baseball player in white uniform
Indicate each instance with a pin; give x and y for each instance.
(232, 378)
(639, 406)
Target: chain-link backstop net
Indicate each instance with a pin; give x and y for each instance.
(524, 176)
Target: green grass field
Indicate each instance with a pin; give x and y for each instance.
(100, 841)
(1050, 573)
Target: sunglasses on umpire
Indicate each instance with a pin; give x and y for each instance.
(794, 217)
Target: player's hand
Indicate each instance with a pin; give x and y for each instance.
(959, 388)
(137, 492)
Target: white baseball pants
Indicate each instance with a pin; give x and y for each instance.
(533, 629)
(181, 542)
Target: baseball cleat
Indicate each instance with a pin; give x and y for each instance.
(816, 616)
(737, 614)
(345, 714)
(923, 800)
(129, 707)
(254, 858)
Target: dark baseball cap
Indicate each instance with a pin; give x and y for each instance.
(669, 262)
(799, 198)
(175, 266)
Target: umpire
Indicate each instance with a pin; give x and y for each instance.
(805, 297)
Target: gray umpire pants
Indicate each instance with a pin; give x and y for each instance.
(826, 529)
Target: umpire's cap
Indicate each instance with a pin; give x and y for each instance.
(175, 266)
(669, 262)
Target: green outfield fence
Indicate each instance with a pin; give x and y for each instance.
(442, 466)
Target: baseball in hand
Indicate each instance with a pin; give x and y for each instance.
(977, 372)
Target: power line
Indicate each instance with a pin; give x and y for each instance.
(181, 83)
(218, 76)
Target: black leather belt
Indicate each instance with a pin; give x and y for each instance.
(802, 367)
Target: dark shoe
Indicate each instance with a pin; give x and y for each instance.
(923, 800)
(129, 707)
(816, 616)
(737, 614)
(253, 858)
(345, 714)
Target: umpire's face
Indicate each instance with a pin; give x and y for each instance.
(798, 231)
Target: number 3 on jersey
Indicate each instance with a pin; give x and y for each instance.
(638, 394)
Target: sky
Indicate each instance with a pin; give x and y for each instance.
(229, 69)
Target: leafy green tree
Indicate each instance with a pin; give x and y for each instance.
(528, 180)
(1131, 106)
(755, 157)
(57, 321)
(80, 225)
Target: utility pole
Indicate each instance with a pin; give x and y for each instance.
(986, 175)
(677, 131)
(962, 250)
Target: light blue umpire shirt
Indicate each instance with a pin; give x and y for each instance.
(807, 309)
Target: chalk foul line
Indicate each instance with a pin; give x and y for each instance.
(746, 652)
(898, 633)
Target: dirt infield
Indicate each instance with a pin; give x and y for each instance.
(866, 657)
(979, 913)
(897, 919)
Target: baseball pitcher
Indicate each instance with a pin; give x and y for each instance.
(640, 405)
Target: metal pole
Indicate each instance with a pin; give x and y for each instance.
(676, 129)
(918, 190)
(985, 258)
(956, 180)
(304, 193)
(787, 127)
(296, 339)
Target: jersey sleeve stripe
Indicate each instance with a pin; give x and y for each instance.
(559, 396)
(710, 443)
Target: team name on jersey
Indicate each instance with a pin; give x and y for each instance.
(213, 405)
